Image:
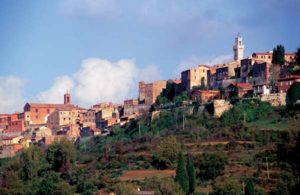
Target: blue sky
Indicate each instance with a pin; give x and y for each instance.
(45, 45)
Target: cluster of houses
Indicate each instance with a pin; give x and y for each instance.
(41, 123)
(254, 76)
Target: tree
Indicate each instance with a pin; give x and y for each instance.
(249, 189)
(169, 91)
(210, 165)
(167, 153)
(280, 189)
(32, 162)
(222, 92)
(50, 183)
(162, 186)
(191, 174)
(181, 174)
(235, 92)
(125, 189)
(202, 85)
(278, 55)
(293, 93)
(226, 186)
(63, 188)
(297, 59)
(61, 155)
(12, 184)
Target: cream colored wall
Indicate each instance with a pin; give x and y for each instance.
(196, 74)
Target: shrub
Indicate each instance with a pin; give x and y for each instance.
(167, 153)
(210, 165)
(228, 186)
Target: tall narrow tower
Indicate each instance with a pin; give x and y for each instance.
(238, 48)
(67, 98)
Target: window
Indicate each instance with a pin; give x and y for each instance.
(36, 110)
(48, 111)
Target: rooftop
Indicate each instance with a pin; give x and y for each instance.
(292, 77)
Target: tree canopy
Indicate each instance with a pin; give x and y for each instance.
(278, 55)
(61, 155)
(167, 153)
(293, 93)
(181, 174)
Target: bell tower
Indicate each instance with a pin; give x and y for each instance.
(238, 48)
(67, 98)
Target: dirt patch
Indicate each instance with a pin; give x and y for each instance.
(142, 174)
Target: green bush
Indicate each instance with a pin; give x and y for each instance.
(210, 165)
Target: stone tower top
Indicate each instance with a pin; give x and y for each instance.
(67, 98)
(238, 48)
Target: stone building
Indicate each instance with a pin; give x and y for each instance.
(142, 92)
(267, 56)
(88, 118)
(66, 121)
(150, 91)
(37, 113)
(194, 77)
(205, 95)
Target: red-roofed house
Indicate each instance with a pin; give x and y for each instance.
(244, 89)
(205, 95)
(285, 83)
(37, 113)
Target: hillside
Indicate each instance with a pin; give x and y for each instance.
(251, 142)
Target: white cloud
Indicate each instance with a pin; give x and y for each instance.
(220, 59)
(60, 86)
(99, 80)
(92, 8)
(149, 73)
(11, 99)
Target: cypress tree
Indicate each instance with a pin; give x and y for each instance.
(278, 55)
(181, 174)
(191, 174)
(249, 189)
(236, 92)
(297, 60)
(274, 56)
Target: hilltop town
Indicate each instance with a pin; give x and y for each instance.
(257, 76)
(230, 128)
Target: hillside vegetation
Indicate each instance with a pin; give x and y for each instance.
(252, 148)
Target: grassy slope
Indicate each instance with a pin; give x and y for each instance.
(111, 156)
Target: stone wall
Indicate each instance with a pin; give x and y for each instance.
(220, 106)
(275, 99)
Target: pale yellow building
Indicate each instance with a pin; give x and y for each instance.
(11, 140)
(63, 117)
(267, 57)
(193, 77)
